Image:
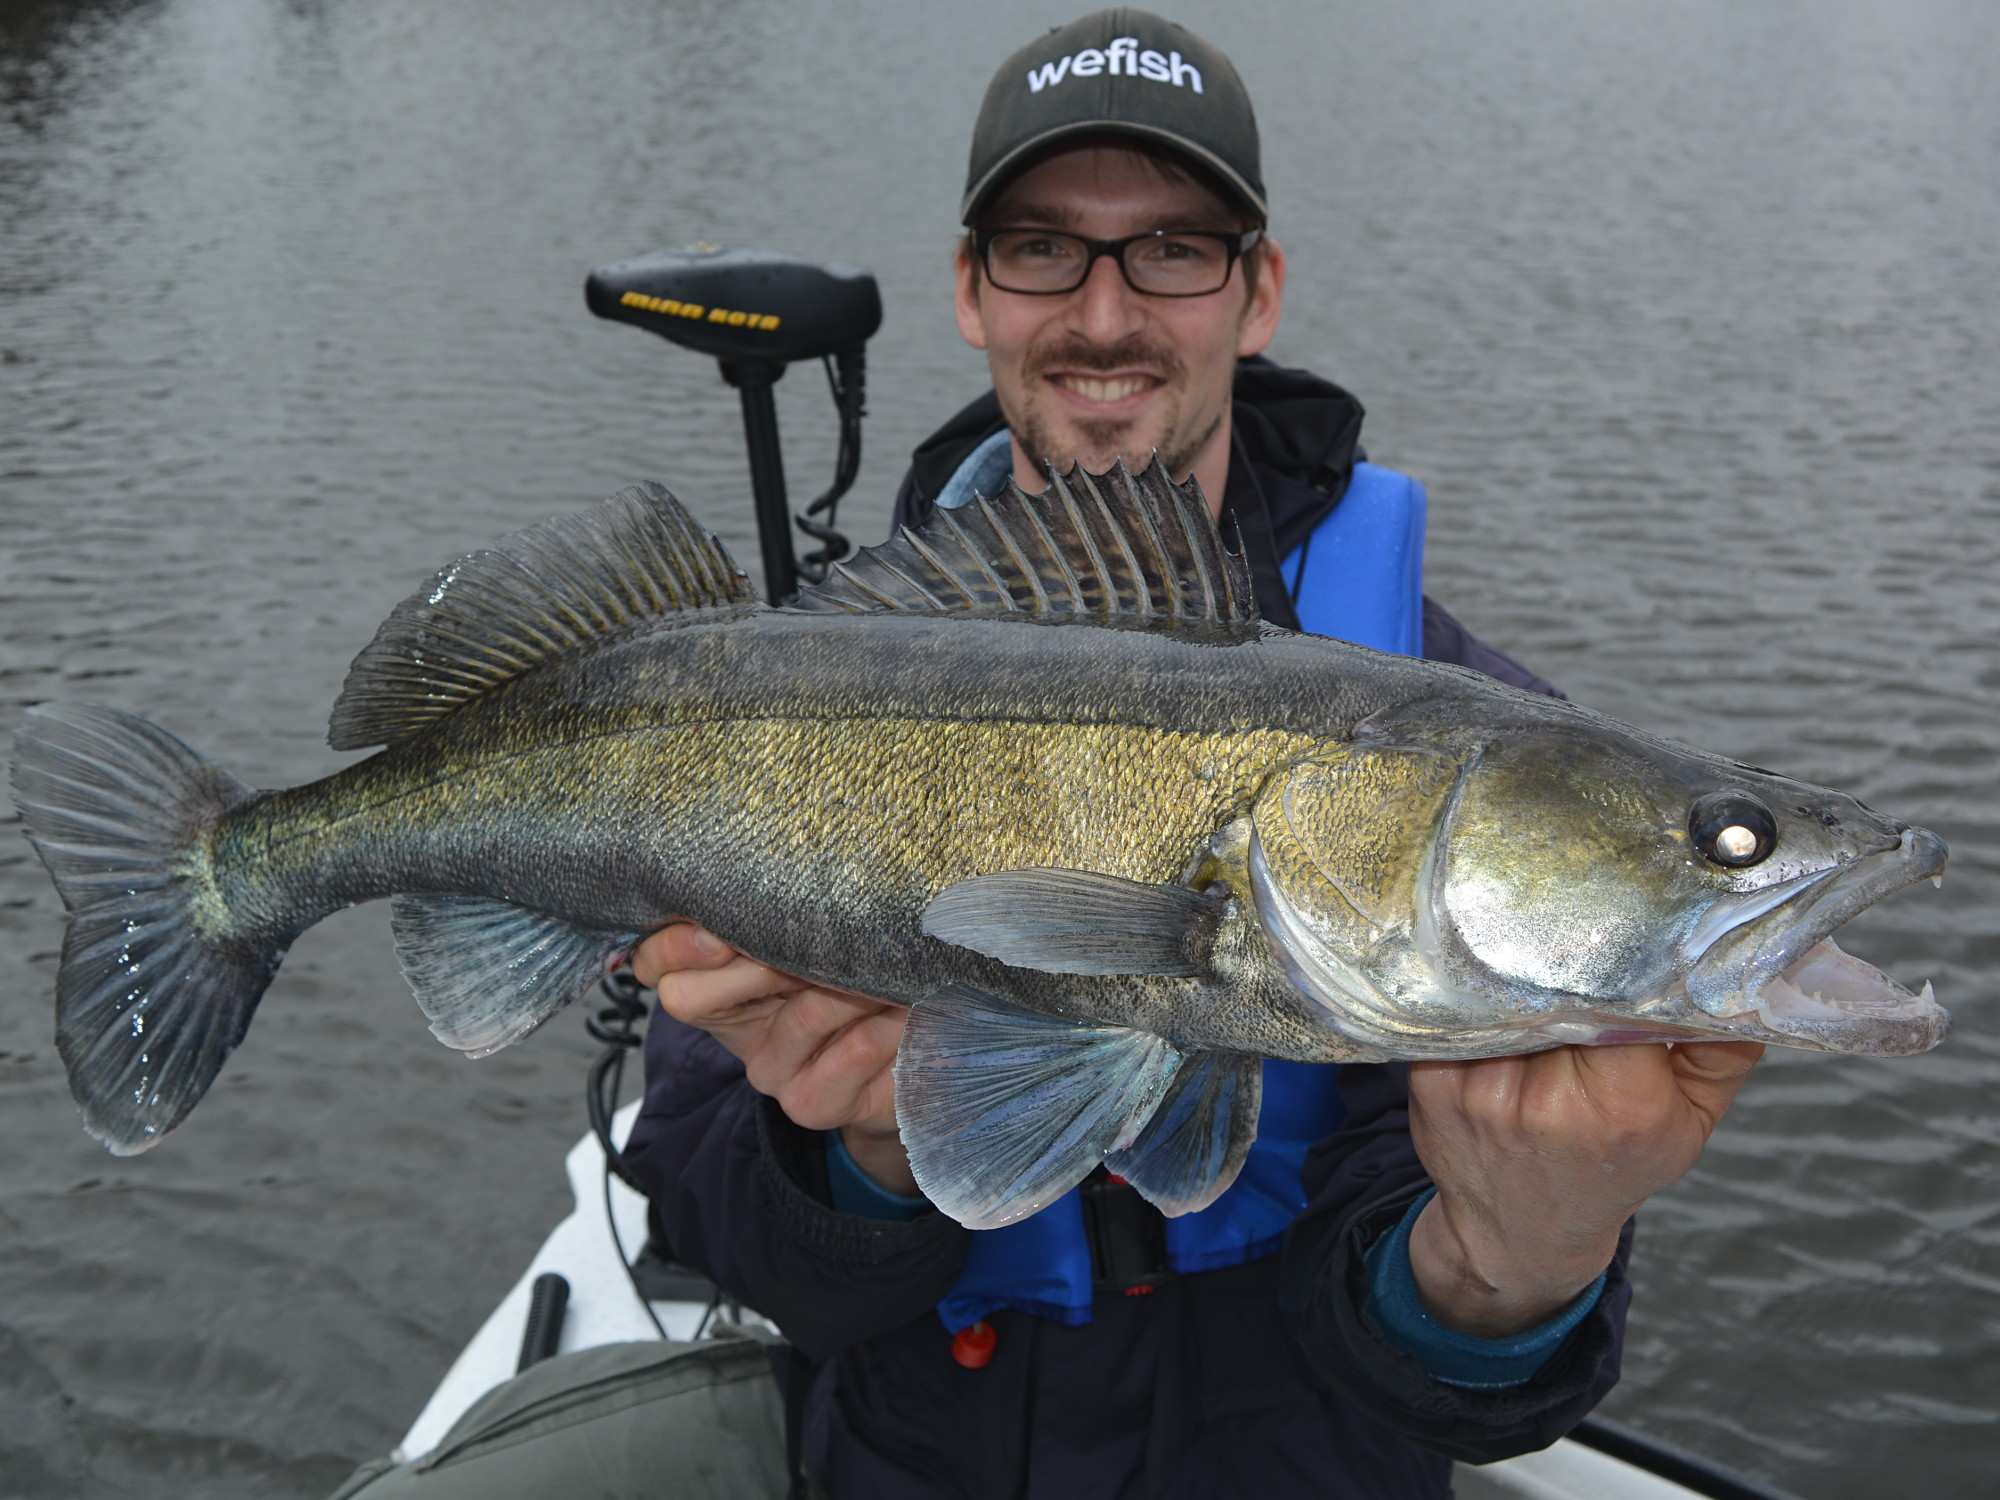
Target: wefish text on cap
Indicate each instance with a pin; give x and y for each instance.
(1122, 53)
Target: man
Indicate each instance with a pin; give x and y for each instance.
(1118, 278)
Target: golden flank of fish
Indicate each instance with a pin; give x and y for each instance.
(1036, 770)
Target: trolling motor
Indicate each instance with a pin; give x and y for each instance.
(757, 311)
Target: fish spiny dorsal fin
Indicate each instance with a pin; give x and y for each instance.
(555, 588)
(1115, 548)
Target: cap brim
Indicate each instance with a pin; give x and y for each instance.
(994, 176)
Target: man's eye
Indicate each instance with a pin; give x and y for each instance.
(1182, 252)
(1035, 247)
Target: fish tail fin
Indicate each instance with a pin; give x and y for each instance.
(150, 996)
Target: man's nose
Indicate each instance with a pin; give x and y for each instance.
(1105, 309)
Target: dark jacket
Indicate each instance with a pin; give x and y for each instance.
(1267, 1379)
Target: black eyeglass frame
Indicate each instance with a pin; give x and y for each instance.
(1235, 247)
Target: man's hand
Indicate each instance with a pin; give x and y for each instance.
(1539, 1160)
(824, 1055)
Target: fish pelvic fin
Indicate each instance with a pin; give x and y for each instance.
(153, 992)
(1116, 549)
(487, 973)
(1077, 922)
(1003, 1110)
(541, 594)
(1197, 1140)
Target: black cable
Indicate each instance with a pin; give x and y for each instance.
(847, 377)
(615, 1025)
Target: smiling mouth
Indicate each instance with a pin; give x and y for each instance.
(1105, 389)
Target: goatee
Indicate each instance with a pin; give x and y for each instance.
(1096, 442)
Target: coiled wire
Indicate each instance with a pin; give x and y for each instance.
(847, 375)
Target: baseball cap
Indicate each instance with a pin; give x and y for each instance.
(1123, 71)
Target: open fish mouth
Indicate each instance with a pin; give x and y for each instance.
(1829, 984)
(1776, 967)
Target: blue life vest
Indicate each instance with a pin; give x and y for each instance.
(1363, 581)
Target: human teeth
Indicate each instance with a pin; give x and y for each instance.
(1105, 390)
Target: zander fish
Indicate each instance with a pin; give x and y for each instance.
(1035, 769)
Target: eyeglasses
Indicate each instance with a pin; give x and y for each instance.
(1163, 263)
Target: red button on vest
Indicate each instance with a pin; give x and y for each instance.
(973, 1347)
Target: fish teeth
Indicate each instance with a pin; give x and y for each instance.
(1925, 994)
(1937, 880)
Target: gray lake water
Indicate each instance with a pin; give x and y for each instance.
(1685, 312)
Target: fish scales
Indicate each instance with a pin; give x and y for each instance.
(756, 802)
(1037, 772)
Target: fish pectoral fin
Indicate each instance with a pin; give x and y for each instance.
(1078, 922)
(1195, 1144)
(487, 973)
(1003, 1110)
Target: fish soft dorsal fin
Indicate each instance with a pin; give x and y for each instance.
(557, 587)
(1116, 548)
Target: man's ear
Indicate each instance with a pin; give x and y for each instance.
(971, 325)
(1267, 300)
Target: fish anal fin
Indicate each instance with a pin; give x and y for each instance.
(1077, 922)
(555, 588)
(1116, 548)
(1194, 1145)
(487, 973)
(1003, 1109)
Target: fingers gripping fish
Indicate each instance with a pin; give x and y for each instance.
(1035, 769)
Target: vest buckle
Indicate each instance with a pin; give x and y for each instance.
(1127, 1236)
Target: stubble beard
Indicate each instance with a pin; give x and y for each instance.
(1099, 443)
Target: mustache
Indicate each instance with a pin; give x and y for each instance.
(1135, 353)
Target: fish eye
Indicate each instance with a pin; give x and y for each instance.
(1732, 829)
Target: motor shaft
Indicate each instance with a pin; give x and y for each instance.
(753, 382)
